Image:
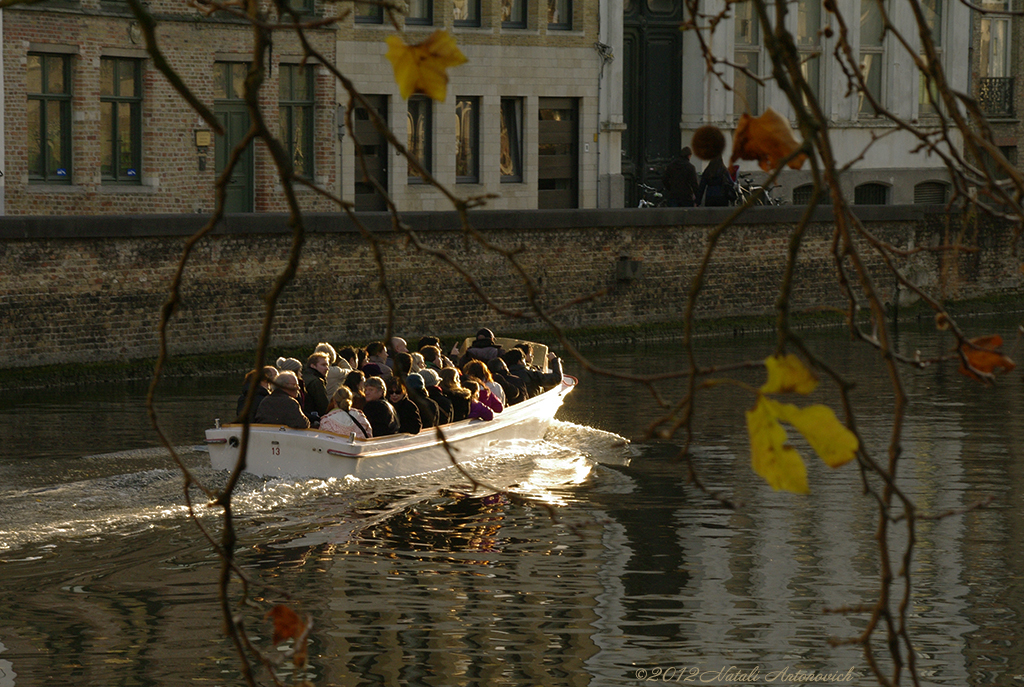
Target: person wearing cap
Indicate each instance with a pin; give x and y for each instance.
(415, 389)
(431, 384)
(282, 407)
(483, 347)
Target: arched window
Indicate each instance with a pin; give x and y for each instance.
(931, 193)
(871, 194)
(802, 194)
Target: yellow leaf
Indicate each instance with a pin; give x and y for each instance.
(786, 374)
(770, 454)
(830, 439)
(421, 68)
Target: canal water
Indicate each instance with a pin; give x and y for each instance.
(613, 570)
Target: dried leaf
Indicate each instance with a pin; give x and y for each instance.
(786, 375)
(422, 68)
(287, 623)
(767, 139)
(983, 355)
(830, 439)
(770, 453)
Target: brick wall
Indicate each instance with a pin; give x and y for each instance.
(90, 289)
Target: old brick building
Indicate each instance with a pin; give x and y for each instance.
(92, 127)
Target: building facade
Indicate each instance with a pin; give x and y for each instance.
(890, 172)
(92, 127)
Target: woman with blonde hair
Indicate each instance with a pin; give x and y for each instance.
(344, 419)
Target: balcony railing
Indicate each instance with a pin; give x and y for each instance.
(995, 94)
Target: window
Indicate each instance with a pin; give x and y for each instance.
(369, 13)
(421, 12)
(871, 40)
(466, 12)
(511, 139)
(928, 95)
(48, 87)
(420, 130)
(808, 42)
(871, 194)
(120, 120)
(513, 14)
(557, 153)
(802, 194)
(296, 99)
(994, 57)
(560, 14)
(302, 6)
(931, 193)
(229, 80)
(746, 89)
(467, 142)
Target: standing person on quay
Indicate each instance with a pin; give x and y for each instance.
(680, 181)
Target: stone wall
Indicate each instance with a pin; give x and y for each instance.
(90, 289)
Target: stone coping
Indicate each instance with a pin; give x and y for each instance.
(155, 225)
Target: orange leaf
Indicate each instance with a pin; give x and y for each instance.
(983, 355)
(287, 623)
(422, 68)
(767, 139)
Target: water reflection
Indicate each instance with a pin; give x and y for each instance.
(426, 581)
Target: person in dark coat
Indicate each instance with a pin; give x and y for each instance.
(267, 375)
(680, 181)
(483, 348)
(430, 412)
(514, 387)
(381, 414)
(716, 189)
(409, 419)
(453, 390)
(314, 378)
(431, 381)
(535, 380)
(282, 406)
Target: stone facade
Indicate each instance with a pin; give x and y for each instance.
(91, 289)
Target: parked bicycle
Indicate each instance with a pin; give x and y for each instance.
(745, 188)
(650, 197)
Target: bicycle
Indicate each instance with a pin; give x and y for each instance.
(650, 197)
(745, 188)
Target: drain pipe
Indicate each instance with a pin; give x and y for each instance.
(605, 53)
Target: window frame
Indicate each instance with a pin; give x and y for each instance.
(420, 145)
(514, 21)
(471, 172)
(565, 23)
(428, 16)
(368, 14)
(473, 19)
(808, 42)
(134, 103)
(877, 50)
(288, 105)
(936, 25)
(515, 140)
(746, 53)
(62, 100)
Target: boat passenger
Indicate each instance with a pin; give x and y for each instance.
(343, 418)
(430, 412)
(282, 407)
(294, 365)
(262, 390)
(355, 381)
(515, 388)
(478, 370)
(535, 380)
(377, 353)
(314, 375)
(380, 413)
(482, 348)
(431, 382)
(349, 355)
(339, 367)
(396, 344)
(418, 363)
(456, 393)
(409, 419)
(435, 360)
(477, 410)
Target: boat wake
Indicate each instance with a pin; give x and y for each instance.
(124, 503)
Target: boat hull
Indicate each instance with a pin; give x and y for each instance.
(281, 451)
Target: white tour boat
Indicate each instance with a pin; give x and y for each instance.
(282, 451)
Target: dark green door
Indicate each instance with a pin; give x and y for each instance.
(241, 187)
(652, 46)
